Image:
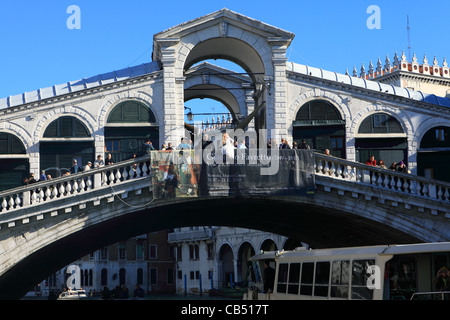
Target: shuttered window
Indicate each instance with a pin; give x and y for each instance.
(10, 144)
(131, 112)
(66, 127)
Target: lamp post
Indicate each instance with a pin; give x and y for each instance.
(190, 115)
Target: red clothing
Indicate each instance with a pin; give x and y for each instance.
(372, 163)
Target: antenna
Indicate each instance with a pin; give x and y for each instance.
(409, 40)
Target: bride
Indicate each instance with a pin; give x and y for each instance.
(228, 147)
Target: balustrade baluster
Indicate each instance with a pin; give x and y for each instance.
(111, 177)
(11, 202)
(118, 175)
(446, 195)
(18, 200)
(4, 204)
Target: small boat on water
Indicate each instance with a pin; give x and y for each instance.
(70, 294)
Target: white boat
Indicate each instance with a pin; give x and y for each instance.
(374, 273)
(70, 294)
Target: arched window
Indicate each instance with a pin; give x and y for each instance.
(13, 169)
(66, 127)
(382, 136)
(380, 123)
(10, 144)
(64, 140)
(320, 124)
(131, 112)
(104, 277)
(122, 142)
(434, 154)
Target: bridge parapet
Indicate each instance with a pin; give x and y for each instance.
(46, 192)
(411, 187)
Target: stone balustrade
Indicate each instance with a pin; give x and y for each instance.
(72, 185)
(384, 179)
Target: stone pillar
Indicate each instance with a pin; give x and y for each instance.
(173, 94)
(276, 92)
(250, 103)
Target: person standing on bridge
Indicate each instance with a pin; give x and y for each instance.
(371, 161)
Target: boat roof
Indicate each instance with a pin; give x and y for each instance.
(369, 250)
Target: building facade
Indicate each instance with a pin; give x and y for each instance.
(217, 257)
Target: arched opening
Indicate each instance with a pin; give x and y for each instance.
(129, 125)
(234, 50)
(241, 59)
(14, 164)
(226, 266)
(382, 136)
(64, 140)
(246, 251)
(320, 124)
(434, 154)
(291, 244)
(268, 245)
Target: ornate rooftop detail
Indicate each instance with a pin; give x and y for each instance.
(402, 64)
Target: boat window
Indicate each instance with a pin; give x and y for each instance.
(294, 277)
(340, 275)
(282, 277)
(401, 272)
(322, 279)
(307, 278)
(360, 275)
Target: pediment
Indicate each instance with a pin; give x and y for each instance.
(228, 16)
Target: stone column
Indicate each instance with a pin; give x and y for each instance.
(173, 94)
(276, 92)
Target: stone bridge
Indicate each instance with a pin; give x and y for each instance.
(66, 218)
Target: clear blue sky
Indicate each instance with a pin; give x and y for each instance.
(38, 50)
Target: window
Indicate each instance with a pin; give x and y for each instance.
(104, 254)
(10, 144)
(66, 127)
(122, 251)
(153, 276)
(380, 123)
(104, 277)
(122, 274)
(210, 250)
(194, 252)
(282, 277)
(318, 110)
(179, 253)
(152, 251)
(112, 146)
(170, 276)
(307, 279)
(140, 276)
(139, 250)
(340, 275)
(131, 112)
(441, 135)
(359, 279)
(379, 120)
(294, 277)
(322, 279)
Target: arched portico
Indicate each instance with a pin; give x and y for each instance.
(258, 48)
